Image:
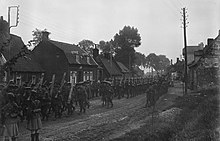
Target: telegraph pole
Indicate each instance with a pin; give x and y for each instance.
(185, 48)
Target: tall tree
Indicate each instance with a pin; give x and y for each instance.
(159, 63)
(163, 63)
(86, 45)
(124, 43)
(153, 61)
(140, 59)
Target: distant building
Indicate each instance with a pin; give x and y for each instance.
(124, 70)
(190, 52)
(59, 58)
(110, 68)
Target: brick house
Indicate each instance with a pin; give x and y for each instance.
(59, 57)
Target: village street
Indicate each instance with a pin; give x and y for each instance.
(100, 123)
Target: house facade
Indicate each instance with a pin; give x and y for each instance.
(25, 69)
(59, 58)
(204, 70)
(109, 68)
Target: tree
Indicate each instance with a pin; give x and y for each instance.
(4, 34)
(86, 45)
(140, 59)
(153, 61)
(159, 63)
(164, 62)
(107, 47)
(124, 43)
(37, 36)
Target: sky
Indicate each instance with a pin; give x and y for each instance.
(158, 21)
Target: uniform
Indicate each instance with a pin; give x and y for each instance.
(9, 119)
(34, 120)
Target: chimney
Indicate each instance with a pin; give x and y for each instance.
(177, 60)
(209, 41)
(45, 35)
(201, 45)
(95, 52)
(2, 18)
(171, 62)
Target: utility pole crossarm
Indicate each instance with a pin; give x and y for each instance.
(9, 16)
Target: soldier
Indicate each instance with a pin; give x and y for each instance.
(103, 94)
(108, 93)
(150, 94)
(81, 98)
(9, 118)
(45, 105)
(34, 120)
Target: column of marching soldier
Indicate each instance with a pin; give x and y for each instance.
(38, 102)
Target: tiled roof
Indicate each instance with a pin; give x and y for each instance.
(71, 50)
(27, 65)
(22, 64)
(123, 68)
(110, 67)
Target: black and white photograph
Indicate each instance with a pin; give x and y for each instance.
(109, 70)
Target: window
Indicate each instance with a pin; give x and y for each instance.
(73, 77)
(18, 80)
(87, 75)
(91, 75)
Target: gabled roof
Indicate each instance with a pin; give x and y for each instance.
(123, 68)
(71, 51)
(110, 66)
(205, 52)
(22, 64)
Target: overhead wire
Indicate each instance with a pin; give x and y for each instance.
(54, 25)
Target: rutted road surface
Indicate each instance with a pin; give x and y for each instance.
(100, 123)
(70, 128)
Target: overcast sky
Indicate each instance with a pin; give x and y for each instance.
(158, 21)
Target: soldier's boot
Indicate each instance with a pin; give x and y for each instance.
(37, 138)
(32, 137)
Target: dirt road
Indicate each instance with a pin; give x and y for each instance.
(100, 123)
